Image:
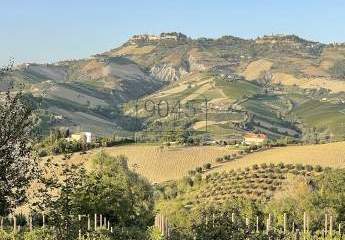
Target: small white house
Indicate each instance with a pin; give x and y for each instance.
(87, 136)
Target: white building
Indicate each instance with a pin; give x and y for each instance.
(87, 136)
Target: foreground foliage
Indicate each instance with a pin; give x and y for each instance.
(110, 189)
(17, 165)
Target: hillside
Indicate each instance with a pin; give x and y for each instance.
(160, 164)
(258, 84)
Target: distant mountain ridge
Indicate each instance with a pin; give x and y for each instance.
(86, 93)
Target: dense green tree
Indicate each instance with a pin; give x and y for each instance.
(120, 194)
(110, 188)
(17, 165)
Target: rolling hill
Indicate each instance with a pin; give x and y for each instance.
(268, 84)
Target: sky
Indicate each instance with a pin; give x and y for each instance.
(48, 31)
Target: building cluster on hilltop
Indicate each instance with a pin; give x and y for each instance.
(163, 36)
(291, 40)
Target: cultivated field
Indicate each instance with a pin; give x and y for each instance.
(162, 164)
(326, 155)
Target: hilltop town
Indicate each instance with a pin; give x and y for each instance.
(163, 36)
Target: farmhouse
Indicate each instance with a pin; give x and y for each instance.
(255, 139)
(87, 136)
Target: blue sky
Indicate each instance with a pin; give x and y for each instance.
(47, 31)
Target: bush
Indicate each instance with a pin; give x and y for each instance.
(198, 178)
(6, 236)
(198, 169)
(187, 181)
(255, 167)
(318, 168)
(219, 159)
(207, 166)
(39, 234)
(309, 168)
(154, 234)
(42, 153)
(299, 167)
(263, 165)
(290, 166)
(281, 165)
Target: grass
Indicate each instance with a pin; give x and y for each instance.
(237, 89)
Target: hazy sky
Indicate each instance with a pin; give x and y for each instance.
(47, 31)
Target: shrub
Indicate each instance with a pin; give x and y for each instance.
(207, 177)
(187, 181)
(198, 169)
(255, 167)
(42, 153)
(318, 168)
(263, 165)
(219, 159)
(290, 166)
(269, 181)
(207, 166)
(281, 165)
(309, 168)
(198, 178)
(6, 236)
(299, 167)
(281, 176)
(39, 234)
(191, 172)
(276, 183)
